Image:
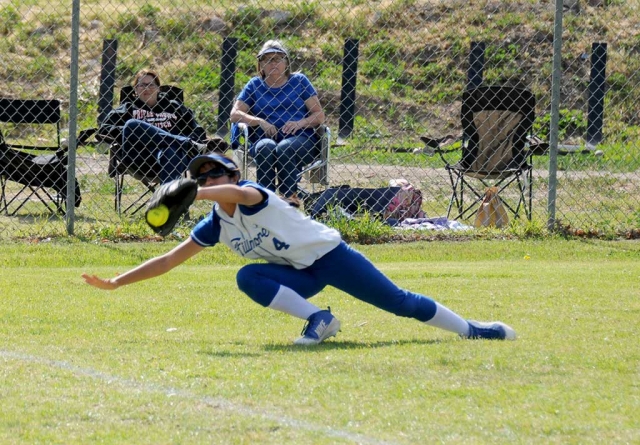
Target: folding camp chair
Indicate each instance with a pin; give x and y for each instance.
(495, 149)
(39, 170)
(147, 173)
(315, 173)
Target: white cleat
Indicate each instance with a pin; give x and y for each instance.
(493, 330)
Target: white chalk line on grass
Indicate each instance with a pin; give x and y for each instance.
(216, 402)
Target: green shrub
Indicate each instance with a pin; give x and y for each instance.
(177, 28)
(571, 122)
(127, 22)
(149, 12)
(10, 18)
(364, 229)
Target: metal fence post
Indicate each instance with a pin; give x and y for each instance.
(476, 64)
(556, 77)
(595, 115)
(348, 93)
(107, 77)
(227, 83)
(73, 117)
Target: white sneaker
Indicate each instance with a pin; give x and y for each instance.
(493, 330)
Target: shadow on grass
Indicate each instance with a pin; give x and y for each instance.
(331, 345)
(229, 354)
(326, 346)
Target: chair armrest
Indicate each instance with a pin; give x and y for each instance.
(455, 146)
(37, 147)
(541, 149)
(441, 145)
(244, 146)
(322, 129)
(442, 142)
(324, 133)
(244, 128)
(538, 147)
(85, 136)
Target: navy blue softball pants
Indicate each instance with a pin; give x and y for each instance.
(343, 268)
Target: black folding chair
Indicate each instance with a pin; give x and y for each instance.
(147, 173)
(39, 170)
(495, 149)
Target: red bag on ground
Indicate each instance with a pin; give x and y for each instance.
(407, 203)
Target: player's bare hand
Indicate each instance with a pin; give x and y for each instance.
(100, 283)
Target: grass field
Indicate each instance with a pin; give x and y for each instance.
(188, 359)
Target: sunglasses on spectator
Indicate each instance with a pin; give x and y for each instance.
(146, 86)
(215, 172)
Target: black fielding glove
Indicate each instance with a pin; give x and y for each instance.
(177, 195)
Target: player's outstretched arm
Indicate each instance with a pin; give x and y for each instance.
(149, 269)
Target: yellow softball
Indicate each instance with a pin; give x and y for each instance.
(157, 216)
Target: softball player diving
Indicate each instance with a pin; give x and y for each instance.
(302, 257)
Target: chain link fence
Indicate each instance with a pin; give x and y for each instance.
(386, 73)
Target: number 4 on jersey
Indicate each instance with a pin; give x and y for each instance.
(279, 245)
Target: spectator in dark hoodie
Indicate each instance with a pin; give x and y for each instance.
(155, 132)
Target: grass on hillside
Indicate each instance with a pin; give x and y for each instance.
(187, 358)
(413, 54)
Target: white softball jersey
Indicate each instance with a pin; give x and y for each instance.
(272, 231)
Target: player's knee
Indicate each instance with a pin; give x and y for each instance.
(252, 283)
(244, 279)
